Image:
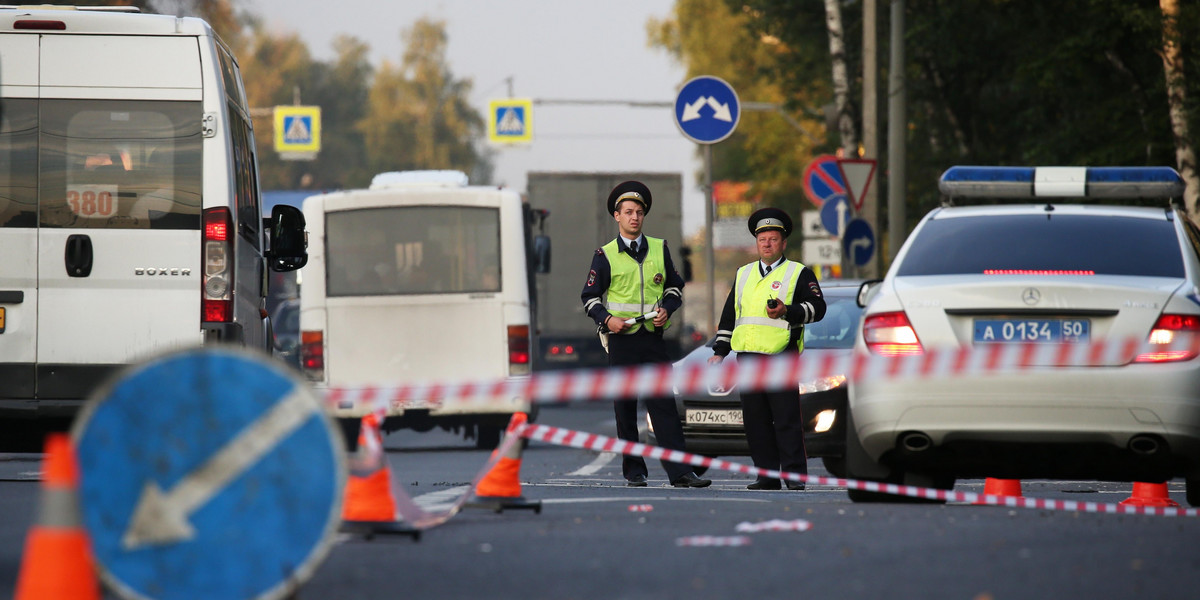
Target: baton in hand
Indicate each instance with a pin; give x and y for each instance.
(641, 318)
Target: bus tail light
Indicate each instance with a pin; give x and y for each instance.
(312, 354)
(1164, 332)
(518, 350)
(890, 334)
(217, 257)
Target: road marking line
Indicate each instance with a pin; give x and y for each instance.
(593, 467)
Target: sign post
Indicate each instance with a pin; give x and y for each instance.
(707, 111)
(207, 462)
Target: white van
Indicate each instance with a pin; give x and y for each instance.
(129, 202)
(420, 278)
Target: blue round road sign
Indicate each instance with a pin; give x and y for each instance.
(707, 109)
(822, 180)
(858, 242)
(208, 474)
(835, 214)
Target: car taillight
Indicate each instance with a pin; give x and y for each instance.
(890, 334)
(312, 354)
(518, 349)
(217, 257)
(1164, 332)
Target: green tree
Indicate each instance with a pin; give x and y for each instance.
(418, 115)
(712, 37)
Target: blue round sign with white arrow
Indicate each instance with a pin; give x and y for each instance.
(858, 242)
(707, 109)
(208, 473)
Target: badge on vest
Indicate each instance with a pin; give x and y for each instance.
(776, 285)
(658, 278)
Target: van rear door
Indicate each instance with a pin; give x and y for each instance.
(118, 248)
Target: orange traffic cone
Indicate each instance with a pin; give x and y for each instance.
(1001, 487)
(369, 506)
(58, 559)
(1150, 494)
(500, 488)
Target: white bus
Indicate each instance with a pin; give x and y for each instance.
(129, 202)
(420, 278)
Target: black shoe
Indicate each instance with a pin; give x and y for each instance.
(796, 486)
(764, 484)
(690, 480)
(636, 481)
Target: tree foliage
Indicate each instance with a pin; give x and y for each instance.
(412, 116)
(1003, 82)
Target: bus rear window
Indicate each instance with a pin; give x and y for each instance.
(1103, 245)
(412, 250)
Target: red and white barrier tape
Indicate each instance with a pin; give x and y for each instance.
(776, 372)
(591, 441)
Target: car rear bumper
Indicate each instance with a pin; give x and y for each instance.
(1118, 419)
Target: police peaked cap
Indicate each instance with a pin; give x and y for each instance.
(629, 190)
(766, 219)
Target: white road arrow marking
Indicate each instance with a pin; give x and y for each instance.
(721, 111)
(692, 111)
(841, 211)
(163, 517)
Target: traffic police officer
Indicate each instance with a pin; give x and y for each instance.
(639, 279)
(770, 302)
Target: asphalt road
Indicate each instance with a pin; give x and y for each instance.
(587, 543)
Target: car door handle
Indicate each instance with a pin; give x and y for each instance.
(79, 255)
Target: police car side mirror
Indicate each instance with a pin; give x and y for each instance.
(541, 253)
(288, 239)
(867, 291)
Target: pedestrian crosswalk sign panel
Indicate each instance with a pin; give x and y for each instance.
(297, 128)
(510, 120)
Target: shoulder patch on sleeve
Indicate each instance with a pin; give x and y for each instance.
(591, 278)
(599, 251)
(814, 288)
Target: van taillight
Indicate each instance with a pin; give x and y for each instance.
(312, 354)
(518, 349)
(217, 257)
(1164, 332)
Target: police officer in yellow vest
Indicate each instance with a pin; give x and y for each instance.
(636, 273)
(771, 300)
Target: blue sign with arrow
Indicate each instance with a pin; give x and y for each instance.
(209, 474)
(707, 109)
(858, 242)
(835, 213)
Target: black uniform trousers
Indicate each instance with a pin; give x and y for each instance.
(775, 428)
(638, 348)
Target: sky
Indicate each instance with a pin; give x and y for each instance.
(546, 50)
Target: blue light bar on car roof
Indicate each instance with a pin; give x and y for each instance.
(1069, 182)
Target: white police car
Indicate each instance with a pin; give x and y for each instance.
(1068, 267)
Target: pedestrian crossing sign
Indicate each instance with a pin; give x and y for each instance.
(298, 129)
(510, 120)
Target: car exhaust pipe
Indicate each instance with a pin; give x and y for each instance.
(915, 441)
(1144, 445)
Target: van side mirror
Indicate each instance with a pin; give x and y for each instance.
(541, 253)
(867, 290)
(287, 238)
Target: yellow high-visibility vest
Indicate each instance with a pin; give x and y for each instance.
(753, 330)
(634, 289)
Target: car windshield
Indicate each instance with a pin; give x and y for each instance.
(839, 326)
(1082, 244)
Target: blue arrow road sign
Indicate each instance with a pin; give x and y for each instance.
(209, 474)
(858, 242)
(835, 213)
(707, 109)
